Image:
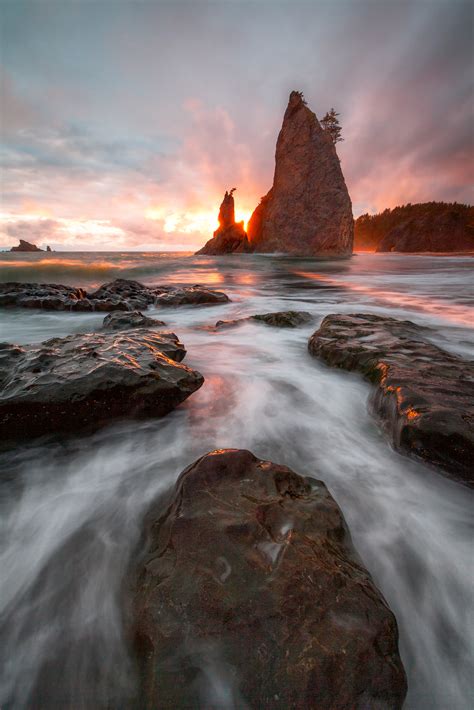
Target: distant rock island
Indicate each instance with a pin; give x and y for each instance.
(308, 211)
(230, 237)
(26, 246)
(425, 227)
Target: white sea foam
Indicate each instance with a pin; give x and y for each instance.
(72, 512)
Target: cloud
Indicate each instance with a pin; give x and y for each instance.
(43, 231)
(140, 121)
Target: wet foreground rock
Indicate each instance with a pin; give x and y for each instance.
(55, 297)
(279, 319)
(424, 396)
(249, 588)
(66, 384)
(118, 295)
(124, 320)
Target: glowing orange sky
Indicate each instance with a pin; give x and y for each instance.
(123, 130)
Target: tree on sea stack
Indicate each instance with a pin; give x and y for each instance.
(307, 211)
(330, 124)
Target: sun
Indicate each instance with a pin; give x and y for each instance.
(243, 216)
(191, 221)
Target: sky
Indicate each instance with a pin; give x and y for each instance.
(124, 121)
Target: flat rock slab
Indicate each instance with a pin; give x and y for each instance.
(129, 319)
(280, 319)
(118, 295)
(65, 384)
(249, 584)
(424, 396)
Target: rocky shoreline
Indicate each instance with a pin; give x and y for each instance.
(118, 295)
(243, 558)
(86, 381)
(424, 396)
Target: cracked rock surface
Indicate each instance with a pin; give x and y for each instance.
(118, 295)
(66, 384)
(124, 320)
(424, 396)
(248, 579)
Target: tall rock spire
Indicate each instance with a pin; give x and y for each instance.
(308, 210)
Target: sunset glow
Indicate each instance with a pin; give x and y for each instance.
(436, 306)
(144, 165)
(192, 222)
(236, 354)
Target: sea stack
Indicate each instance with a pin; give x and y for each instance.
(25, 246)
(230, 237)
(308, 211)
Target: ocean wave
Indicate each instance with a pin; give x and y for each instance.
(84, 271)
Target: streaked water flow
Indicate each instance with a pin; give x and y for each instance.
(71, 510)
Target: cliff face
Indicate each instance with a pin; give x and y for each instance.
(428, 226)
(308, 210)
(230, 237)
(449, 231)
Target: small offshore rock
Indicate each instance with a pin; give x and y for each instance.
(189, 295)
(25, 246)
(280, 319)
(230, 237)
(284, 319)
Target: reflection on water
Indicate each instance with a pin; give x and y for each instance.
(437, 306)
(71, 511)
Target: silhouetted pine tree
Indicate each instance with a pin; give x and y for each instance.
(330, 123)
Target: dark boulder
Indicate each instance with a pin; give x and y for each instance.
(65, 384)
(280, 319)
(284, 319)
(132, 293)
(424, 396)
(188, 295)
(118, 295)
(34, 295)
(129, 319)
(249, 583)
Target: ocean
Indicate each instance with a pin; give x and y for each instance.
(72, 508)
